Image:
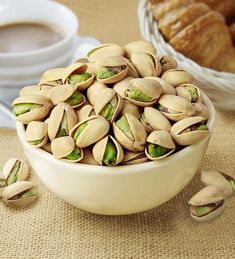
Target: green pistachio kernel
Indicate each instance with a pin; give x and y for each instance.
(22, 108)
(91, 52)
(232, 183)
(12, 178)
(27, 194)
(109, 109)
(79, 130)
(36, 142)
(110, 154)
(202, 127)
(106, 72)
(78, 78)
(201, 211)
(143, 117)
(156, 150)
(2, 183)
(124, 126)
(63, 129)
(75, 99)
(135, 94)
(75, 154)
(193, 92)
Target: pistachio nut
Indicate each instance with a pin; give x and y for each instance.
(130, 133)
(77, 75)
(15, 170)
(105, 50)
(111, 69)
(167, 63)
(31, 108)
(85, 112)
(2, 184)
(121, 86)
(190, 130)
(47, 147)
(61, 121)
(174, 107)
(143, 92)
(65, 148)
(207, 203)
(131, 158)
(67, 94)
(223, 181)
(177, 77)
(108, 104)
(190, 92)
(166, 88)
(201, 110)
(132, 71)
(88, 157)
(108, 151)
(152, 120)
(30, 89)
(89, 131)
(36, 133)
(94, 90)
(52, 76)
(146, 64)
(159, 145)
(19, 194)
(131, 108)
(139, 46)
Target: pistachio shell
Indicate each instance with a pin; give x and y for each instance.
(94, 90)
(132, 71)
(166, 88)
(131, 158)
(88, 136)
(167, 63)
(131, 108)
(84, 112)
(52, 75)
(138, 133)
(36, 131)
(180, 107)
(88, 157)
(47, 147)
(100, 147)
(154, 120)
(176, 77)
(201, 110)
(30, 89)
(139, 46)
(183, 91)
(121, 86)
(188, 137)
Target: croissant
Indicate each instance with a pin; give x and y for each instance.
(196, 31)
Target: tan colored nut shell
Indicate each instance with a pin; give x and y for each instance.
(37, 130)
(121, 86)
(105, 50)
(99, 150)
(183, 92)
(188, 138)
(132, 158)
(52, 75)
(94, 90)
(88, 157)
(15, 189)
(30, 89)
(138, 132)
(163, 139)
(166, 88)
(167, 63)
(131, 108)
(201, 110)
(177, 77)
(132, 71)
(88, 136)
(155, 120)
(139, 46)
(212, 177)
(62, 147)
(85, 112)
(57, 116)
(47, 147)
(23, 171)
(181, 106)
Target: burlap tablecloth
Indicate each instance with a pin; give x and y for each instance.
(53, 229)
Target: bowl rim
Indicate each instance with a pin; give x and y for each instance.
(121, 169)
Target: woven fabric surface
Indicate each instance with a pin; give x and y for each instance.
(53, 229)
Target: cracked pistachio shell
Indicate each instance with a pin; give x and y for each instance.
(149, 87)
(121, 86)
(135, 138)
(2, 184)
(33, 114)
(100, 147)
(56, 118)
(94, 90)
(15, 190)
(184, 137)
(62, 93)
(154, 120)
(85, 112)
(131, 108)
(113, 62)
(183, 91)
(91, 66)
(132, 71)
(30, 89)
(177, 77)
(208, 195)
(163, 139)
(139, 46)
(88, 157)
(167, 63)
(62, 147)
(52, 76)
(106, 96)
(105, 50)
(132, 158)
(221, 180)
(36, 131)
(176, 108)
(146, 64)
(12, 175)
(77, 68)
(166, 88)
(201, 110)
(89, 136)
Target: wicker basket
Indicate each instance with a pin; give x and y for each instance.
(219, 86)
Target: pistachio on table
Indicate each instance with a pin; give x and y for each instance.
(94, 91)
(139, 46)
(177, 77)
(131, 158)
(167, 63)
(85, 112)
(121, 86)
(166, 88)
(132, 71)
(52, 77)
(189, 92)
(201, 110)
(129, 107)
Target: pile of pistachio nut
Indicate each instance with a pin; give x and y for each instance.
(16, 191)
(210, 201)
(120, 105)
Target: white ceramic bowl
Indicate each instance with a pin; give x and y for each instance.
(122, 189)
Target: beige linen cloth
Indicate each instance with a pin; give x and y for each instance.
(53, 229)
